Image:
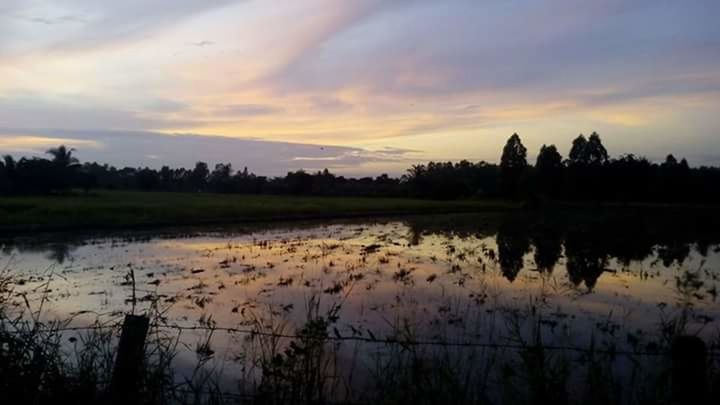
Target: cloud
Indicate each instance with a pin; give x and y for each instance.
(356, 157)
(28, 110)
(202, 44)
(502, 47)
(161, 105)
(69, 18)
(102, 23)
(246, 110)
(668, 87)
(10, 143)
(329, 104)
(141, 148)
(449, 77)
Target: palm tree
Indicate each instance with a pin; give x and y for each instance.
(9, 162)
(63, 158)
(66, 166)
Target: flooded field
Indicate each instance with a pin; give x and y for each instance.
(382, 290)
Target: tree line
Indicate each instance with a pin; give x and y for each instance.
(587, 173)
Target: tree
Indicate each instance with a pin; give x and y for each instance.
(670, 162)
(220, 179)
(549, 169)
(147, 179)
(588, 151)
(514, 154)
(199, 175)
(513, 164)
(62, 157)
(595, 152)
(65, 167)
(7, 174)
(579, 145)
(548, 159)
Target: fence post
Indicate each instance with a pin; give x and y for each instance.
(689, 370)
(131, 349)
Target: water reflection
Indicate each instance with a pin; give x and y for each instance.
(614, 282)
(588, 247)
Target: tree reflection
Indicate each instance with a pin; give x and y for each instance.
(513, 243)
(59, 252)
(548, 248)
(586, 259)
(674, 252)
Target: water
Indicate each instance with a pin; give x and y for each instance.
(466, 278)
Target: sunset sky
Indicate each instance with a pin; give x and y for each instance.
(358, 86)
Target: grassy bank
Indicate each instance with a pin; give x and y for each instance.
(111, 209)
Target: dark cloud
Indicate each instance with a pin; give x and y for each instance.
(27, 110)
(139, 148)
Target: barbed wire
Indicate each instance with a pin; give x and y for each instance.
(336, 337)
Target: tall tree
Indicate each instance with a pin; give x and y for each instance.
(549, 170)
(513, 164)
(577, 151)
(588, 151)
(548, 159)
(199, 175)
(63, 157)
(670, 162)
(65, 167)
(595, 152)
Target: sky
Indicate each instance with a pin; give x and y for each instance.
(361, 87)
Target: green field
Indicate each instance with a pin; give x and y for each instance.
(112, 209)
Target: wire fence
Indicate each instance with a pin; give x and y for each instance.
(337, 337)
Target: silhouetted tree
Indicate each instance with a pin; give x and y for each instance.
(5, 183)
(549, 168)
(513, 164)
(65, 167)
(220, 179)
(670, 162)
(199, 175)
(595, 153)
(588, 173)
(628, 178)
(62, 157)
(588, 151)
(147, 179)
(585, 175)
(299, 182)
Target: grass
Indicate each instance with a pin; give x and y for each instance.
(123, 209)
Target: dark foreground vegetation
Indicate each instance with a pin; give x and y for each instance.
(587, 173)
(130, 209)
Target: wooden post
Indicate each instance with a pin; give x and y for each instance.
(689, 370)
(124, 385)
